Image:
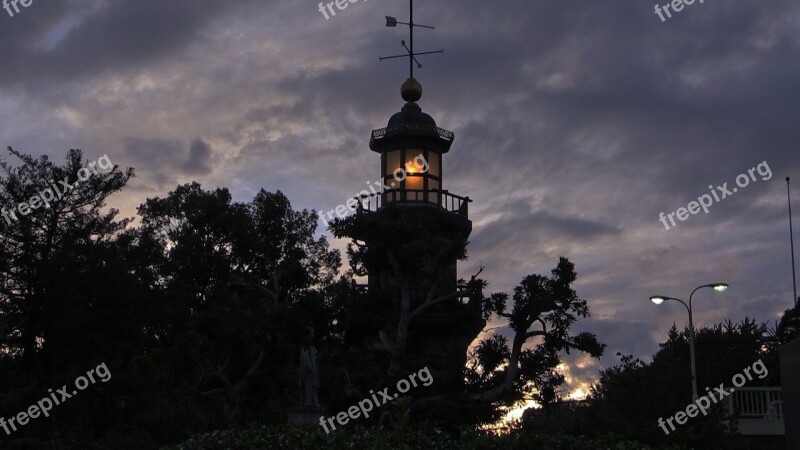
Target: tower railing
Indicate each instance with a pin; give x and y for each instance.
(382, 132)
(436, 198)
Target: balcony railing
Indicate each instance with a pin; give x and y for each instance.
(759, 410)
(415, 197)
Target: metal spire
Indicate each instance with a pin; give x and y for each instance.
(412, 57)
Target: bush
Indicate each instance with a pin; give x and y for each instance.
(284, 437)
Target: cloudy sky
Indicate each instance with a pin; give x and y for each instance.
(576, 124)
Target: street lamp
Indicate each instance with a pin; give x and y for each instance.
(659, 299)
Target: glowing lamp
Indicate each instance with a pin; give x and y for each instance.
(720, 287)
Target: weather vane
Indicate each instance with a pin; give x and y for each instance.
(412, 57)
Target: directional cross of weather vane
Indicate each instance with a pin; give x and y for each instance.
(412, 57)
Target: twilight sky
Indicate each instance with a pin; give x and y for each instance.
(576, 124)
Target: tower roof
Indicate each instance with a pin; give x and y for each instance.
(411, 128)
(411, 116)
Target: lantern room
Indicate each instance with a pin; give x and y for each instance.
(415, 173)
(411, 148)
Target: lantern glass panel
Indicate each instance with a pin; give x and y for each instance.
(435, 164)
(392, 162)
(414, 182)
(415, 161)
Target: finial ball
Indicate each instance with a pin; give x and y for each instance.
(411, 90)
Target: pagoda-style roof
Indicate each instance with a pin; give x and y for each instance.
(410, 127)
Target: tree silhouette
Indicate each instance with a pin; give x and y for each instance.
(511, 371)
(239, 272)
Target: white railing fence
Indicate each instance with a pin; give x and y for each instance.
(759, 410)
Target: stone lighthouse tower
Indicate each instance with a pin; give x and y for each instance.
(407, 240)
(409, 237)
(413, 232)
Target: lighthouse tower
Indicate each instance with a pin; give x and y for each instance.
(407, 240)
(412, 148)
(416, 231)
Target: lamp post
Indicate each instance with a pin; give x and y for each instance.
(791, 240)
(659, 299)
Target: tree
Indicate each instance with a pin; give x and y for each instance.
(60, 311)
(510, 372)
(788, 329)
(239, 273)
(37, 245)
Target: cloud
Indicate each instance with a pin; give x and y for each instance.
(165, 162)
(199, 158)
(66, 40)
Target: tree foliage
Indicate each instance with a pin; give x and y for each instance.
(630, 397)
(543, 312)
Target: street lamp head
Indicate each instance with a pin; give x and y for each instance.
(391, 21)
(657, 299)
(720, 287)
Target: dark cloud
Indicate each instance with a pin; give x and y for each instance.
(59, 41)
(166, 161)
(199, 158)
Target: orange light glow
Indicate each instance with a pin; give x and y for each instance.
(414, 183)
(411, 167)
